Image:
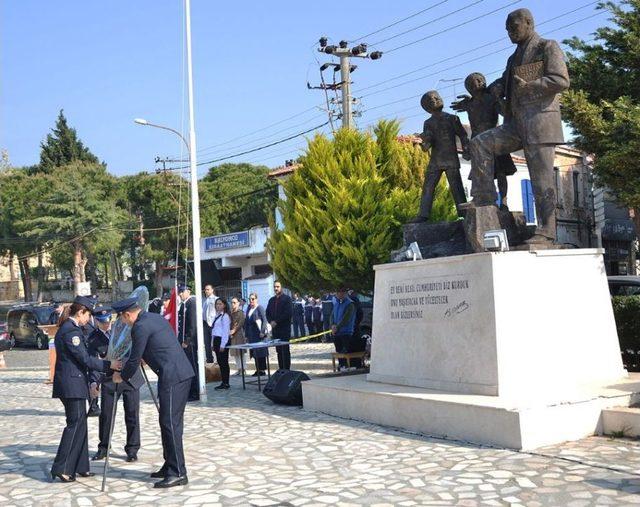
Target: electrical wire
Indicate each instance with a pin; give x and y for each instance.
(398, 22)
(496, 41)
(471, 20)
(431, 21)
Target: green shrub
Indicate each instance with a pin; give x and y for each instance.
(626, 310)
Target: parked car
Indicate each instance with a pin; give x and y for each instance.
(5, 342)
(23, 321)
(624, 285)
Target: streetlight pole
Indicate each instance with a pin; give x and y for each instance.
(195, 203)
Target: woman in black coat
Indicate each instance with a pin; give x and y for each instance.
(255, 330)
(70, 384)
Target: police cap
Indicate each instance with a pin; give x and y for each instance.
(124, 305)
(85, 301)
(182, 287)
(102, 313)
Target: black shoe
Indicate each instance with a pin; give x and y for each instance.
(63, 478)
(255, 373)
(86, 474)
(158, 474)
(171, 481)
(101, 454)
(131, 457)
(221, 387)
(261, 373)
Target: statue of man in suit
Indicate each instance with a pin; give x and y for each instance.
(536, 74)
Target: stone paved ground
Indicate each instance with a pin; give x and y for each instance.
(243, 450)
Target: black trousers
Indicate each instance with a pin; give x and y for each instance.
(73, 452)
(222, 358)
(261, 363)
(346, 343)
(298, 326)
(173, 400)
(192, 356)
(207, 341)
(284, 356)
(131, 401)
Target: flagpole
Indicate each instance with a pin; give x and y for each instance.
(195, 210)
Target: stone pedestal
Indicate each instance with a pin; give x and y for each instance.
(495, 338)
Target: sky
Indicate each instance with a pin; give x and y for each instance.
(106, 63)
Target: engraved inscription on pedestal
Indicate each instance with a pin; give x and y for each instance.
(432, 298)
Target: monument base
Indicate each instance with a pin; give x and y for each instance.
(517, 349)
(483, 420)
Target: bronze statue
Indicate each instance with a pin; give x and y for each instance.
(536, 74)
(439, 133)
(482, 108)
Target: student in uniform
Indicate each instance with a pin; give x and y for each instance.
(154, 341)
(71, 386)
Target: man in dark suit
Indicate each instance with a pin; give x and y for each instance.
(279, 310)
(154, 341)
(130, 391)
(188, 333)
(536, 74)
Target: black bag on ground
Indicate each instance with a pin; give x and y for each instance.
(285, 387)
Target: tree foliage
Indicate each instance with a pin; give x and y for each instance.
(603, 106)
(345, 206)
(62, 146)
(235, 197)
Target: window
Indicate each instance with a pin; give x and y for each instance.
(528, 202)
(556, 178)
(576, 190)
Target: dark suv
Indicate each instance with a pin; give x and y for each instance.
(23, 321)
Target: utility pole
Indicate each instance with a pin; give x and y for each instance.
(344, 52)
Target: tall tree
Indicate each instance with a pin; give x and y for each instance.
(234, 197)
(163, 201)
(78, 207)
(62, 146)
(603, 105)
(345, 207)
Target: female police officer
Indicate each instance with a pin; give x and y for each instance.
(70, 384)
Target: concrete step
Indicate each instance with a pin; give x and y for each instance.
(621, 421)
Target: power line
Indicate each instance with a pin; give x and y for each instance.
(399, 21)
(496, 41)
(452, 27)
(431, 21)
(256, 149)
(472, 59)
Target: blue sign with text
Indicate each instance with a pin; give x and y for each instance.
(226, 241)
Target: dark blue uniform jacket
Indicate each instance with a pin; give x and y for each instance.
(156, 343)
(73, 363)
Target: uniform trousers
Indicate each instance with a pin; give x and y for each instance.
(131, 401)
(207, 341)
(192, 355)
(173, 400)
(73, 452)
(298, 326)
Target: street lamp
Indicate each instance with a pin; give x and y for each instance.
(197, 271)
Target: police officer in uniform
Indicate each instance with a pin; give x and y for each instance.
(156, 343)
(71, 386)
(130, 392)
(188, 333)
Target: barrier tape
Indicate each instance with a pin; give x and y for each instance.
(305, 338)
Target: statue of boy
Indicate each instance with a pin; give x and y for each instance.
(483, 108)
(439, 133)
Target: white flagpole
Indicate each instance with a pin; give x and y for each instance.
(195, 209)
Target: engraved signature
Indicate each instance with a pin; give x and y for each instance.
(459, 308)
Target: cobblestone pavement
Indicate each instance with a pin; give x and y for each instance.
(243, 450)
